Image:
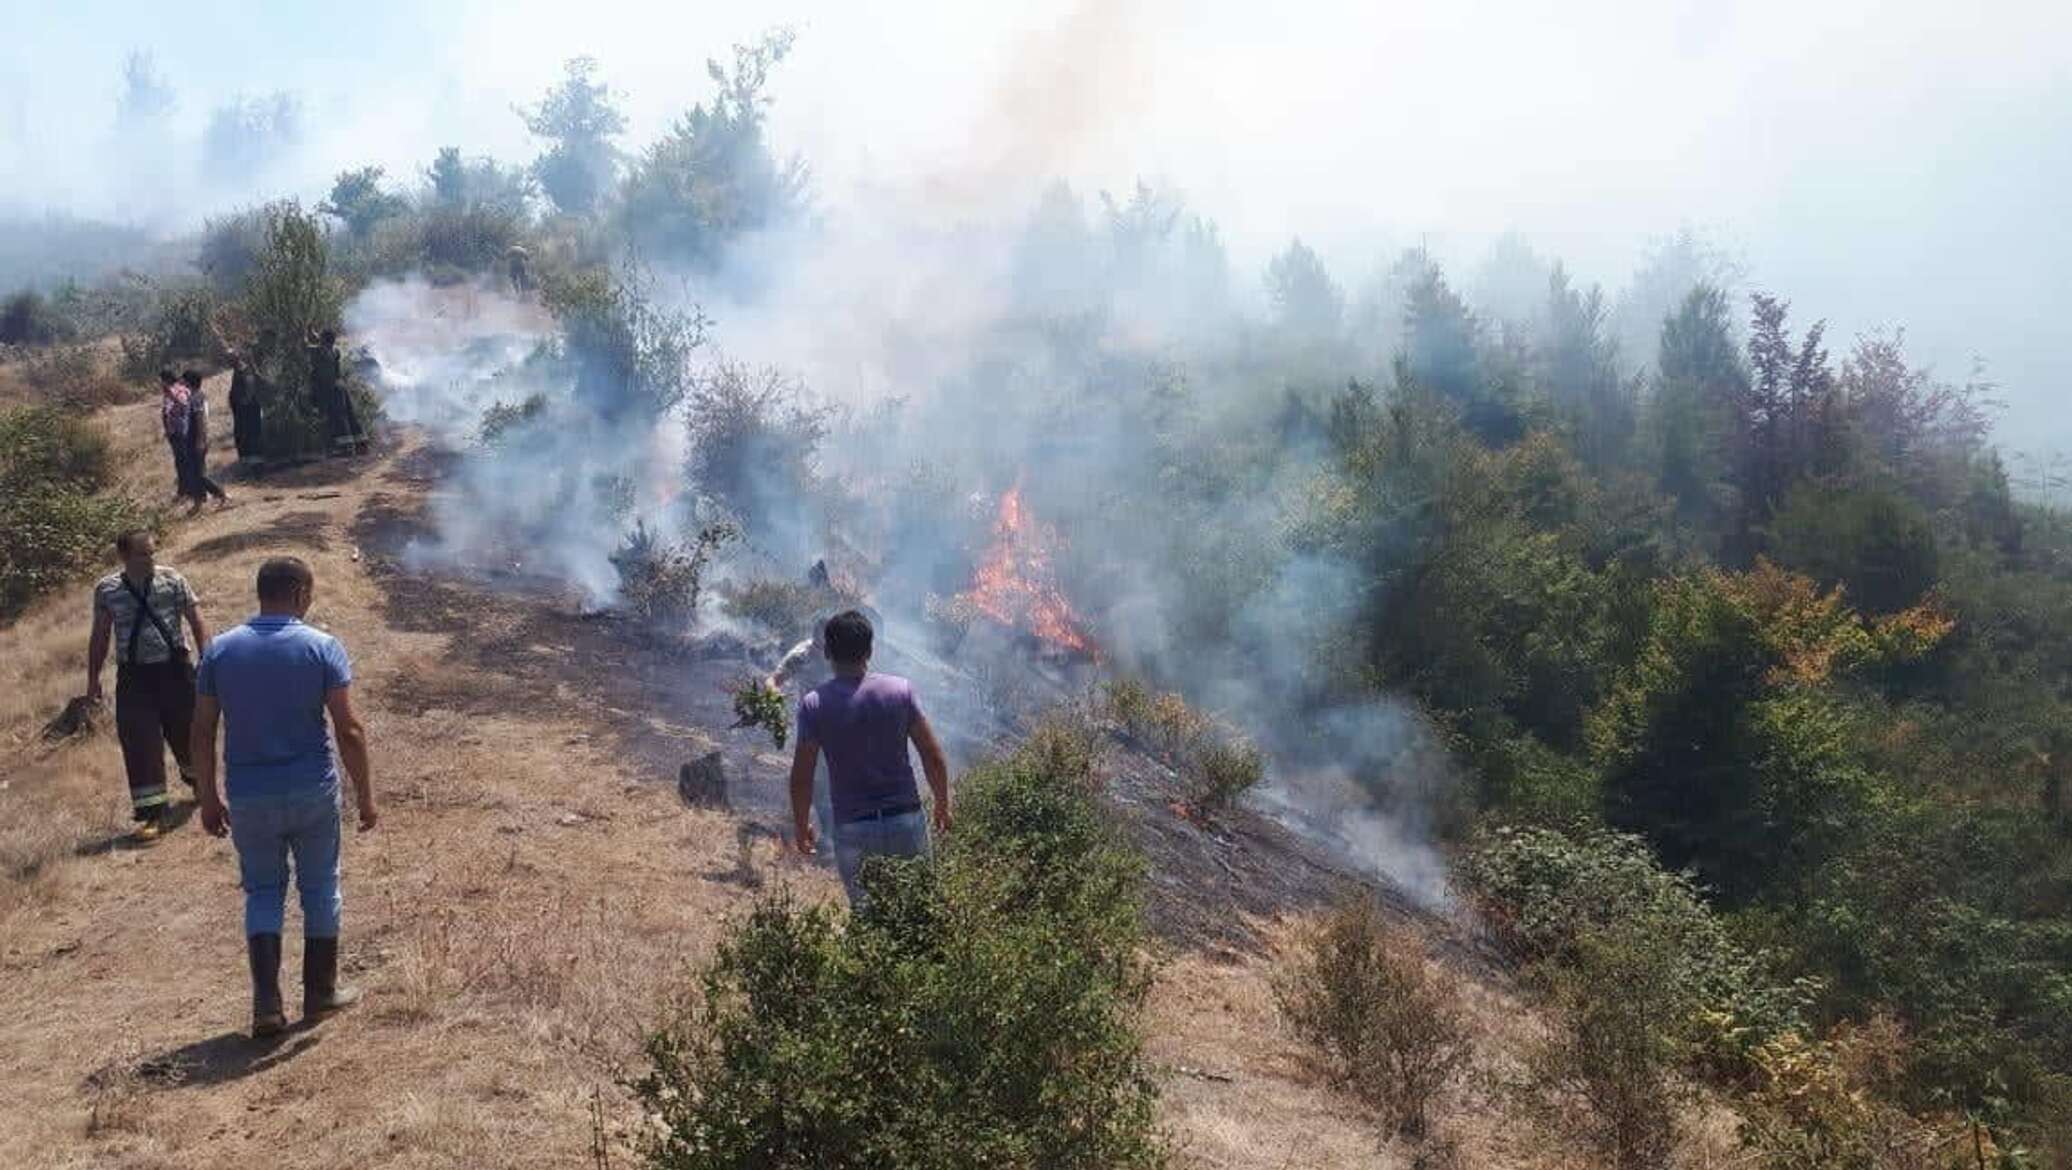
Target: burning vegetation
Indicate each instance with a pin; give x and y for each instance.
(1746, 657)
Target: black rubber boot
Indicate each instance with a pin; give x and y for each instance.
(264, 951)
(321, 994)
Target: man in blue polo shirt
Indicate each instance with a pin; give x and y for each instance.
(272, 680)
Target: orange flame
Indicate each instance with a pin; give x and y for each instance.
(1016, 586)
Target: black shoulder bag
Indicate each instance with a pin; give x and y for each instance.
(176, 654)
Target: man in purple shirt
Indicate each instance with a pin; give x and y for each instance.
(864, 722)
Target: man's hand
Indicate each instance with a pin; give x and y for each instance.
(805, 839)
(368, 816)
(215, 819)
(941, 816)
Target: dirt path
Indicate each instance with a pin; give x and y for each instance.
(533, 896)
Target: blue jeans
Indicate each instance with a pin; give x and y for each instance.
(905, 835)
(267, 833)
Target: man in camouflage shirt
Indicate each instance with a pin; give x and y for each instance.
(140, 609)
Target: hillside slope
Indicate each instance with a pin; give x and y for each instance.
(535, 892)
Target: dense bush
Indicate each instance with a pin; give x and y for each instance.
(179, 331)
(28, 318)
(753, 437)
(53, 523)
(660, 580)
(1217, 763)
(1389, 1026)
(979, 1011)
(1617, 1045)
(74, 377)
(784, 608)
(1548, 894)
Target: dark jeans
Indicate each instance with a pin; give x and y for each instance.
(154, 709)
(190, 467)
(344, 425)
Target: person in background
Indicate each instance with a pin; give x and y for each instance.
(246, 422)
(173, 413)
(140, 608)
(271, 682)
(864, 722)
(327, 385)
(198, 481)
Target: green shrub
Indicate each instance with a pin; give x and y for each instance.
(979, 1011)
(52, 524)
(26, 318)
(1548, 894)
(179, 330)
(73, 377)
(1390, 1029)
(1874, 542)
(784, 608)
(1216, 763)
(660, 580)
(1617, 1046)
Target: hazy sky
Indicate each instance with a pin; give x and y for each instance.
(1878, 163)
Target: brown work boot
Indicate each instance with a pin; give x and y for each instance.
(264, 951)
(321, 994)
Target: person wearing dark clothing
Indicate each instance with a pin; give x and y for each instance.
(199, 485)
(139, 610)
(327, 385)
(246, 423)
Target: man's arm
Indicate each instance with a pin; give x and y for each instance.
(97, 651)
(804, 756)
(192, 612)
(201, 743)
(934, 766)
(352, 749)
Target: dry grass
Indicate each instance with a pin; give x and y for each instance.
(531, 899)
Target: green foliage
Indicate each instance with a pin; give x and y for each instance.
(180, 330)
(53, 524)
(629, 358)
(1874, 542)
(784, 608)
(578, 118)
(1548, 894)
(231, 246)
(1616, 1046)
(712, 177)
(1390, 1028)
(660, 580)
(760, 705)
(358, 200)
(28, 318)
(503, 418)
(1215, 761)
(753, 437)
(73, 377)
(979, 1011)
(291, 291)
(1725, 742)
(1307, 303)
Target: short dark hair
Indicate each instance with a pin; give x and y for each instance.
(280, 577)
(329, 336)
(167, 375)
(125, 539)
(848, 637)
(192, 378)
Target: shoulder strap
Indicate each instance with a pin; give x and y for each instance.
(143, 597)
